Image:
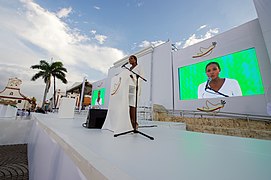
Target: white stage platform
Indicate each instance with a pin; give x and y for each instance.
(63, 149)
(173, 154)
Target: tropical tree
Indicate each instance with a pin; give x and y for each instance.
(55, 70)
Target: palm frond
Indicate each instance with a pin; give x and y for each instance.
(48, 70)
(36, 76)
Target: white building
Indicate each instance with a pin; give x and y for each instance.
(59, 94)
(12, 93)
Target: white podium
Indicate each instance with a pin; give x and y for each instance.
(66, 108)
(118, 116)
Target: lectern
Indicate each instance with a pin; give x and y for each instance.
(118, 117)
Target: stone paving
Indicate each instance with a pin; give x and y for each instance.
(13, 162)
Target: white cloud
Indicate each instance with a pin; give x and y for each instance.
(178, 44)
(214, 31)
(193, 39)
(64, 12)
(96, 7)
(93, 31)
(30, 33)
(100, 38)
(139, 4)
(202, 27)
(145, 43)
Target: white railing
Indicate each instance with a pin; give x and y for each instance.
(144, 113)
(220, 114)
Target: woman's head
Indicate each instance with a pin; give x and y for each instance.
(133, 60)
(212, 70)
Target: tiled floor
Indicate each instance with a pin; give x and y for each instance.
(13, 162)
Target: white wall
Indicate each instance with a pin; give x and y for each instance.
(263, 8)
(162, 91)
(145, 62)
(156, 64)
(240, 38)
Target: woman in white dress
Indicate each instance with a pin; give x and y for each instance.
(132, 89)
(98, 102)
(216, 86)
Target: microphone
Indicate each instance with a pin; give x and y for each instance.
(124, 64)
(207, 83)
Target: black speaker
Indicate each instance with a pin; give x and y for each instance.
(96, 118)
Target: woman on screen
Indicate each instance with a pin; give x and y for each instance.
(216, 86)
(98, 101)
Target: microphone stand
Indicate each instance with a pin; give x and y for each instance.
(135, 130)
(216, 91)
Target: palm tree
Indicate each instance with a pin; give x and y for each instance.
(47, 70)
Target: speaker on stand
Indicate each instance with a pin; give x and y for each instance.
(95, 118)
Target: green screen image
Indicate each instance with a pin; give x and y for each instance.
(242, 66)
(95, 94)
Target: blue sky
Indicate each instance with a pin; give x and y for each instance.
(88, 36)
(127, 24)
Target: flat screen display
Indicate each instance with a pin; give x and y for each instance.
(98, 97)
(240, 70)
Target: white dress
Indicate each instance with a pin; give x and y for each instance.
(230, 87)
(132, 86)
(98, 103)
